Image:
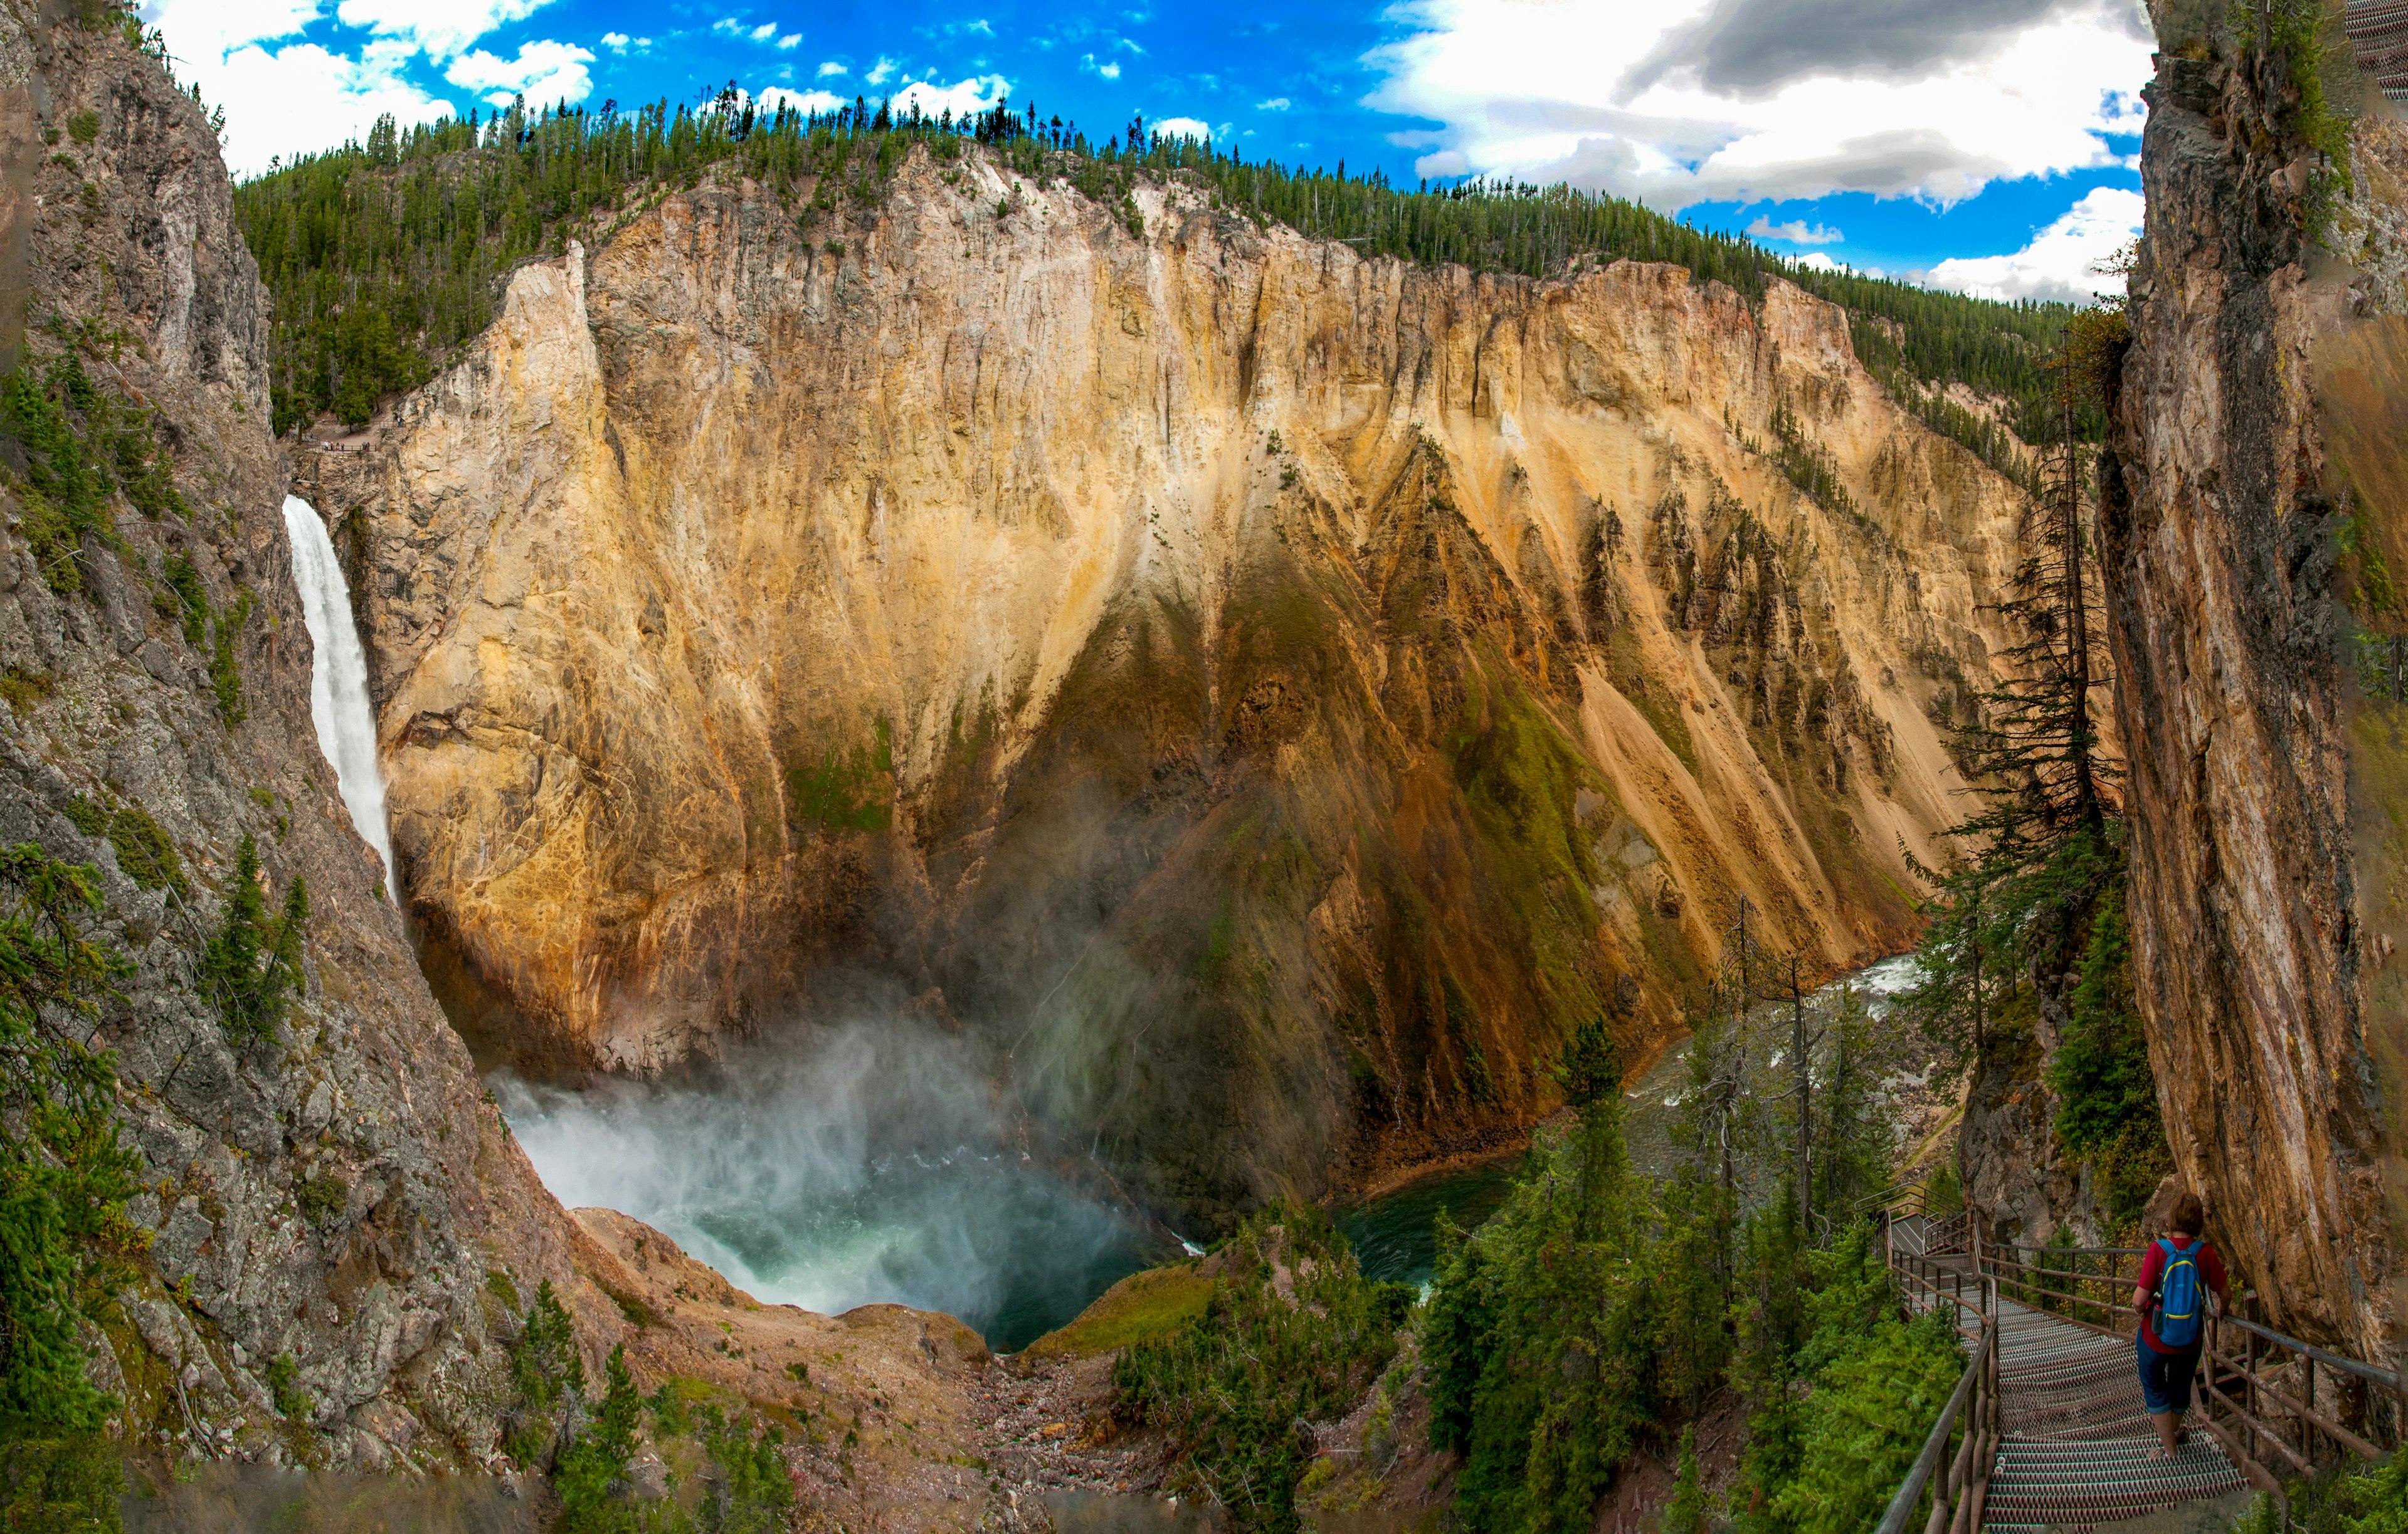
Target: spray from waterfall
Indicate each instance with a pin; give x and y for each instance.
(338, 677)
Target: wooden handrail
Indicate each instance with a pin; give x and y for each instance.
(2343, 1436)
(2208, 1386)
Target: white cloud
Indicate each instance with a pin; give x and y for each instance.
(1276, 104)
(544, 72)
(791, 41)
(217, 27)
(1688, 101)
(441, 27)
(822, 102)
(1109, 71)
(1183, 127)
(978, 26)
(303, 98)
(880, 72)
(2058, 262)
(832, 68)
(729, 25)
(978, 93)
(616, 41)
(1796, 232)
(766, 31)
(290, 100)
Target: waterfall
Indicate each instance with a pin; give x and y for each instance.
(338, 678)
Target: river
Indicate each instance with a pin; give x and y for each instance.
(1393, 1235)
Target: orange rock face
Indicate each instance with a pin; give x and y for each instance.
(1272, 694)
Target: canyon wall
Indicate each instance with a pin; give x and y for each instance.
(1272, 693)
(2252, 511)
(338, 1197)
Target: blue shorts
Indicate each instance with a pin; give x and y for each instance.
(2165, 1377)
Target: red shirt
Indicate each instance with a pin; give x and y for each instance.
(2211, 1268)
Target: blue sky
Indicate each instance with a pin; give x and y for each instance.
(1979, 144)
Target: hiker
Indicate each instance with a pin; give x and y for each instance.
(2179, 1272)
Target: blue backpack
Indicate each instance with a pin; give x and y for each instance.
(2181, 1299)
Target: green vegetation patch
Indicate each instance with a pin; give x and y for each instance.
(1650, 696)
(2107, 1095)
(145, 852)
(724, 1478)
(1520, 777)
(23, 688)
(1141, 1308)
(849, 792)
(66, 1244)
(1290, 1331)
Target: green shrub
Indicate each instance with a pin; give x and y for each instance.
(84, 126)
(184, 580)
(598, 1454)
(87, 817)
(47, 423)
(2107, 1096)
(1229, 1387)
(749, 1492)
(284, 1387)
(54, 1481)
(144, 850)
(323, 1197)
(1873, 1403)
(23, 688)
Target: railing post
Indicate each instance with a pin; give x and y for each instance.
(2308, 1399)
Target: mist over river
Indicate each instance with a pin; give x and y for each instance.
(868, 1163)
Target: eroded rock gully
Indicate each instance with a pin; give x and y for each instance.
(1277, 689)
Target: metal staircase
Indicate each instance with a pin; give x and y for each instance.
(2046, 1428)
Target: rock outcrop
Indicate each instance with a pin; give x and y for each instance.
(2248, 538)
(335, 1196)
(1270, 693)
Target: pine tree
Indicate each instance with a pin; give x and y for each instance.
(2034, 892)
(251, 965)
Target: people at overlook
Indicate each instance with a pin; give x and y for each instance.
(2179, 1274)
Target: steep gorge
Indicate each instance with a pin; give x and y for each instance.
(1272, 693)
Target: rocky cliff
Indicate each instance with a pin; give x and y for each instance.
(333, 1196)
(1270, 693)
(341, 1235)
(2248, 538)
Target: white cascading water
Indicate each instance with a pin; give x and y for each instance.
(338, 677)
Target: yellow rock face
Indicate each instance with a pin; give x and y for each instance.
(1276, 693)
